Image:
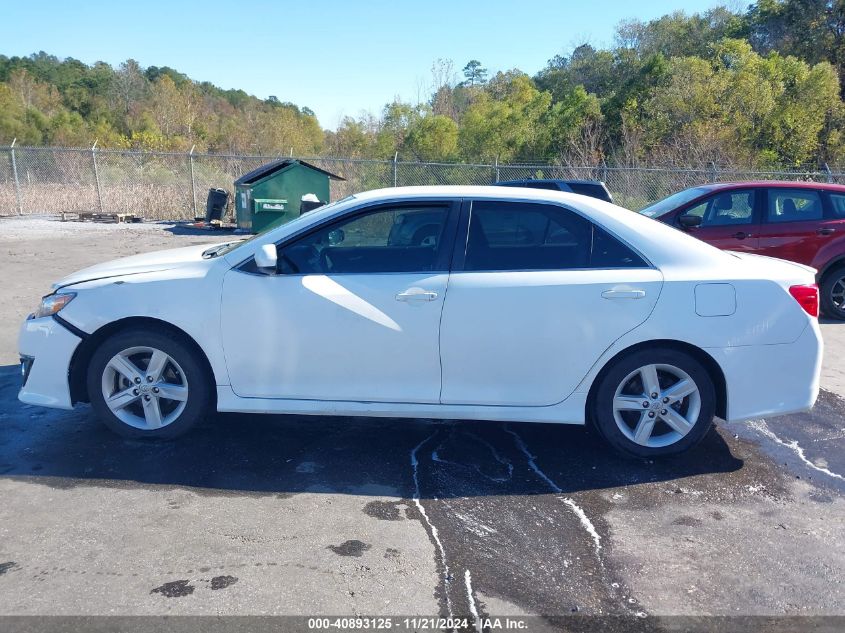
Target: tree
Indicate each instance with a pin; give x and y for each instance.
(442, 88)
(474, 73)
(812, 30)
(575, 126)
(433, 138)
(680, 35)
(396, 120)
(130, 85)
(505, 120)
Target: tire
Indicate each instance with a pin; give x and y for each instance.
(622, 411)
(120, 369)
(833, 293)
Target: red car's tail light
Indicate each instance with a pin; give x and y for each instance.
(808, 297)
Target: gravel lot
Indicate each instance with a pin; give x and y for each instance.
(290, 515)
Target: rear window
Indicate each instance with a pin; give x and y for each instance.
(837, 204)
(590, 189)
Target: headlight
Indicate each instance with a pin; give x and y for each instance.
(51, 304)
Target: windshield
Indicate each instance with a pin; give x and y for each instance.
(228, 247)
(674, 201)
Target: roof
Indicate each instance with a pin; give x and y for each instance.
(563, 180)
(792, 184)
(277, 165)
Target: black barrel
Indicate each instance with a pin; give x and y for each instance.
(215, 206)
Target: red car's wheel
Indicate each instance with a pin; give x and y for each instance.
(833, 293)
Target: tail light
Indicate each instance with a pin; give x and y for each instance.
(807, 297)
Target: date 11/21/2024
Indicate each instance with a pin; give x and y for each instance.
(416, 623)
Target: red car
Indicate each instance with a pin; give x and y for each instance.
(803, 222)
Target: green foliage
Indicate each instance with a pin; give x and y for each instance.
(474, 73)
(44, 100)
(755, 88)
(433, 138)
(504, 120)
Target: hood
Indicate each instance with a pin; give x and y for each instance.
(146, 263)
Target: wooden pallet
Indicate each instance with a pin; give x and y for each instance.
(120, 218)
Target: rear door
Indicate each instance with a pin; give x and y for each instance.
(729, 219)
(793, 224)
(537, 294)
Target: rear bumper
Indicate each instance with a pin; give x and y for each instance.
(48, 348)
(772, 380)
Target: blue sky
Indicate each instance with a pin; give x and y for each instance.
(338, 58)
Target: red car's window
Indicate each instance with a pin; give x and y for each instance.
(794, 205)
(725, 209)
(837, 204)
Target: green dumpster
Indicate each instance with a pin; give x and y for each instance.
(269, 212)
(272, 194)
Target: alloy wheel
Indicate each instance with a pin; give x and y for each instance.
(145, 388)
(656, 405)
(837, 294)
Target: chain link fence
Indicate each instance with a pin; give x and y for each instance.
(174, 186)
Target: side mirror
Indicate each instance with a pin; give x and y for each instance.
(336, 237)
(266, 258)
(689, 221)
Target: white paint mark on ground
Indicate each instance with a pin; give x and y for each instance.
(434, 533)
(578, 510)
(761, 427)
(585, 522)
(496, 456)
(475, 526)
(473, 609)
(435, 455)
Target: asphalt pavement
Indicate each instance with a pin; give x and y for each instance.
(317, 515)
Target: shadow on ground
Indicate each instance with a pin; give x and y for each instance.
(263, 454)
(186, 228)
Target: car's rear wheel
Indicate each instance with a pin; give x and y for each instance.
(654, 402)
(144, 383)
(833, 293)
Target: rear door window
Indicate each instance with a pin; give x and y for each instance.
(524, 236)
(793, 205)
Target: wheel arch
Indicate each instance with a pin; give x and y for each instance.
(709, 363)
(829, 266)
(83, 353)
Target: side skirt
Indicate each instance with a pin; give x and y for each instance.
(570, 411)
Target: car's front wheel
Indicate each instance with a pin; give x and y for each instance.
(145, 383)
(654, 402)
(833, 293)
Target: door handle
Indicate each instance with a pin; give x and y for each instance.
(825, 231)
(741, 235)
(623, 294)
(416, 294)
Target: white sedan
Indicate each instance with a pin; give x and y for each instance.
(482, 303)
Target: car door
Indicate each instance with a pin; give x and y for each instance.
(729, 219)
(792, 225)
(352, 314)
(535, 297)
